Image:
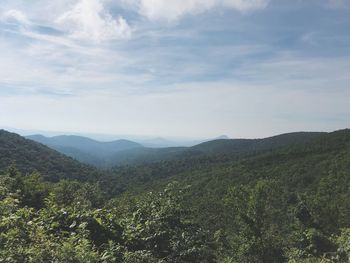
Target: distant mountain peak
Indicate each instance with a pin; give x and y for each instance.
(223, 137)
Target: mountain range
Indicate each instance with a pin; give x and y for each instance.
(119, 152)
(84, 149)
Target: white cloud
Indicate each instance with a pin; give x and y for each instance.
(64, 45)
(15, 16)
(174, 9)
(89, 20)
(241, 84)
(78, 20)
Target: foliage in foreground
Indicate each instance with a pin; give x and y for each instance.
(45, 222)
(156, 229)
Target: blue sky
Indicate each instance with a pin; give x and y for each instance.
(195, 68)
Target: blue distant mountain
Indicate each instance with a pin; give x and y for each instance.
(85, 149)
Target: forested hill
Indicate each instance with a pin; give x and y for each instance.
(30, 156)
(253, 146)
(221, 147)
(286, 205)
(222, 155)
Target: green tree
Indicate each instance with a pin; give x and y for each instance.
(258, 219)
(161, 227)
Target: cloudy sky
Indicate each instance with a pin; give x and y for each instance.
(194, 68)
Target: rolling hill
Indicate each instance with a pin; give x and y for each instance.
(219, 147)
(298, 169)
(121, 152)
(252, 146)
(30, 156)
(156, 165)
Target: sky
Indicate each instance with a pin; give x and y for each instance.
(194, 68)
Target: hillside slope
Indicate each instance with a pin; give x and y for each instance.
(216, 155)
(230, 147)
(283, 201)
(300, 167)
(31, 156)
(252, 146)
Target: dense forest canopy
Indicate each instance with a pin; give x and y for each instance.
(285, 203)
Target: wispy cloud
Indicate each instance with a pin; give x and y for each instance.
(67, 53)
(236, 67)
(15, 16)
(173, 9)
(89, 20)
